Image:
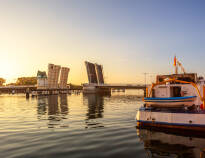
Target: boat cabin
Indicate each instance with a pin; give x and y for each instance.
(172, 89)
(175, 89)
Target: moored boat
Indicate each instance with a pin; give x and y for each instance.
(175, 90)
(174, 101)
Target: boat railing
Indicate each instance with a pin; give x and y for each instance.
(179, 81)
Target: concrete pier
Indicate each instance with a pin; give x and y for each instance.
(27, 93)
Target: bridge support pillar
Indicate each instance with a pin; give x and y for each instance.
(27, 93)
(93, 89)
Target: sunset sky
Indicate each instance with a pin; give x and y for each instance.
(128, 37)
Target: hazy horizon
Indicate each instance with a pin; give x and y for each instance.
(129, 38)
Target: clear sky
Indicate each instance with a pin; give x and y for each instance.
(129, 37)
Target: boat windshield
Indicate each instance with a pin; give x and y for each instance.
(192, 77)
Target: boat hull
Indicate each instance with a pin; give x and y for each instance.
(170, 102)
(177, 120)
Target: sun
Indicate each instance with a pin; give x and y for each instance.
(7, 70)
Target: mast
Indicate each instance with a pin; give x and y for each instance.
(176, 69)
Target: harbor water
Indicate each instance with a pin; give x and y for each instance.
(85, 126)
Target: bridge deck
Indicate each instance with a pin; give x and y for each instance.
(119, 86)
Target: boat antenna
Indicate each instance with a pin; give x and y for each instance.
(182, 68)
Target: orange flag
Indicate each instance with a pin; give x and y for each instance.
(175, 61)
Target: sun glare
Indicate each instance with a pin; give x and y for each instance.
(8, 70)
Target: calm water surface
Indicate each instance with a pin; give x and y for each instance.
(80, 126)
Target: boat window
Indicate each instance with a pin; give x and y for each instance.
(175, 91)
(163, 87)
(191, 77)
(188, 79)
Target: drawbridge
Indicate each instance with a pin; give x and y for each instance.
(97, 84)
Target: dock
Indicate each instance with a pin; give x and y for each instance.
(34, 91)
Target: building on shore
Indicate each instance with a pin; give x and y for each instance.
(53, 75)
(64, 77)
(42, 80)
(57, 77)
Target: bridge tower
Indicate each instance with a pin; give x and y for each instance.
(95, 78)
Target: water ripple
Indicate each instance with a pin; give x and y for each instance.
(74, 126)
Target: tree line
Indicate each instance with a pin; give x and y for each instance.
(21, 81)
